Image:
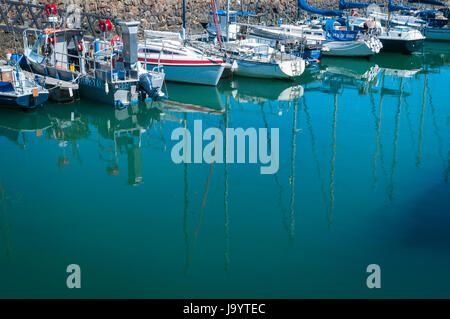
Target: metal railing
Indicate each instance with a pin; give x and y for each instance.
(16, 16)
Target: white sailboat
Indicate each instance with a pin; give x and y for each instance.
(181, 62)
(335, 38)
(253, 59)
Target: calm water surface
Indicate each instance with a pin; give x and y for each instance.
(363, 178)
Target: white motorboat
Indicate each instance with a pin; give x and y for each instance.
(395, 39)
(181, 62)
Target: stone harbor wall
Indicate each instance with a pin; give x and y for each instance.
(166, 14)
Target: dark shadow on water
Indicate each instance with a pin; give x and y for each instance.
(429, 224)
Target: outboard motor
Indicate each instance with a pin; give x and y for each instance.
(146, 88)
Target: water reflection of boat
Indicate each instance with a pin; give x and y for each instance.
(260, 90)
(357, 69)
(399, 65)
(16, 125)
(193, 98)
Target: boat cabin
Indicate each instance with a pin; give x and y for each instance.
(233, 27)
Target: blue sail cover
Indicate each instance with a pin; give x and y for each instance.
(338, 35)
(6, 87)
(302, 4)
(394, 7)
(431, 2)
(343, 5)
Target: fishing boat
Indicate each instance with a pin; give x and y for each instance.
(107, 68)
(181, 62)
(18, 91)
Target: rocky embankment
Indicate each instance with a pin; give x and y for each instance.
(166, 14)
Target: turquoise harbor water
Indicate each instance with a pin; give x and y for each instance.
(363, 179)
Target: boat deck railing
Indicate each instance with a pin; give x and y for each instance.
(89, 62)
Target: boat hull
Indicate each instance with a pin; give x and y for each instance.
(262, 70)
(348, 49)
(117, 94)
(27, 101)
(402, 46)
(437, 34)
(204, 74)
(57, 73)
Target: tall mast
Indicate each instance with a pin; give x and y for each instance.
(184, 14)
(228, 20)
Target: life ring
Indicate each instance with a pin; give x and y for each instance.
(80, 45)
(48, 9)
(109, 25)
(105, 25)
(52, 40)
(115, 40)
(118, 58)
(102, 25)
(54, 9)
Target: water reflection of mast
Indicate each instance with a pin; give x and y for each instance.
(314, 151)
(379, 147)
(5, 219)
(394, 152)
(186, 202)
(292, 177)
(205, 195)
(436, 129)
(225, 195)
(419, 148)
(332, 162)
(280, 196)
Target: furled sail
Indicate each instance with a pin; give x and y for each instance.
(302, 4)
(432, 2)
(343, 5)
(394, 7)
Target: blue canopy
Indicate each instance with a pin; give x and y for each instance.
(394, 7)
(231, 13)
(6, 87)
(302, 4)
(432, 2)
(343, 5)
(338, 35)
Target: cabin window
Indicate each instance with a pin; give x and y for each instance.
(39, 48)
(155, 51)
